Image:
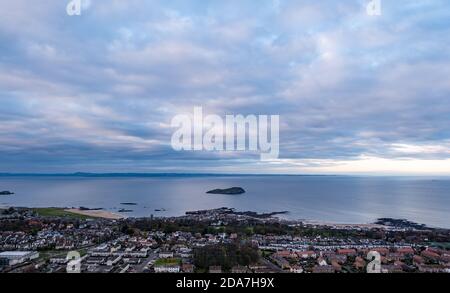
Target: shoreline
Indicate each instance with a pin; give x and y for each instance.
(109, 215)
(96, 214)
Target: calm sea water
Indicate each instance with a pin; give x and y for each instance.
(337, 199)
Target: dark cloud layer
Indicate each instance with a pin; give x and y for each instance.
(97, 92)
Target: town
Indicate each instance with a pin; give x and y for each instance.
(213, 241)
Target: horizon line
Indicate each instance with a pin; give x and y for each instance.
(187, 174)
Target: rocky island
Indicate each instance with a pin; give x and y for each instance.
(232, 191)
(6, 193)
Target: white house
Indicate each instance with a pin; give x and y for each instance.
(167, 269)
(18, 257)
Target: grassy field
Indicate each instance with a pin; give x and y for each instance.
(48, 254)
(443, 245)
(58, 212)
(167, 261)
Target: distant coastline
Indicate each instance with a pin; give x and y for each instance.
(82, 174)
(187, 174)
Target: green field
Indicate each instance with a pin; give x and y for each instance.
(443, 245)
(48, 254)
(167, 261)
(58, 212)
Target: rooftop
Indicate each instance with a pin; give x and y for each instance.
(15, 253)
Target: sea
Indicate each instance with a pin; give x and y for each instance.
(330, 199)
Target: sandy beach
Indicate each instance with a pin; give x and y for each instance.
(96, 214)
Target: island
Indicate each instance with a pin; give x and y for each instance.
(6, 193)
(89, 209)
(232, 191)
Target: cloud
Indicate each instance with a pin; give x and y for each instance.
(355, 93)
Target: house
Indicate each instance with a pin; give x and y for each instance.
(185, 255)
(115, 248)
(394, 256)
(286, 254)
(337, 267)
(95, 260)
(239, 270)
(113, 261)
(435, 250)
(166, 254)
(347, 252)
(445, 259)
(418, 260)
(59, 260)
(323, 269)
(307, 254)
(391, 269)
(321, 261)
(215, 269)
(124, 269)
(406, 251)
(254, 267)
(167, 268)
(381, 250)
(430, 255)
(328, 254)
(281, 262)
(296, 269)
(359, 263)
(18, 257)
(187, 268)
(339, 258)
(100, 269)
(264, 270)
(431, 268)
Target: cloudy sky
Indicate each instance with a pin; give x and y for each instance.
(356, 94)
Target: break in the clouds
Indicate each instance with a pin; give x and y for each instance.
(96, 92)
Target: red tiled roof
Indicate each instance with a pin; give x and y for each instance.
(430, 254)
(346, 251)
(406, 250)
(381, 250)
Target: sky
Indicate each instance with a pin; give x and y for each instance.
(356, 94)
